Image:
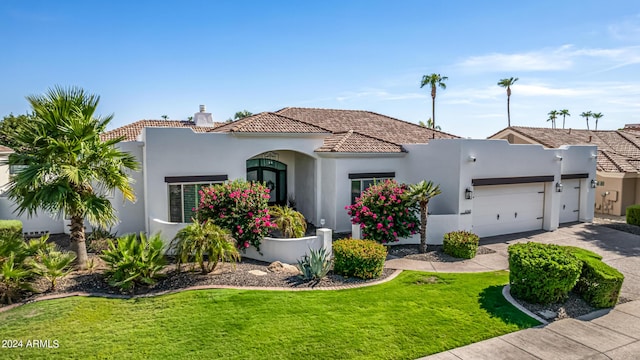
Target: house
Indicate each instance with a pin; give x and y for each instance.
(618, 159)
(322, 159)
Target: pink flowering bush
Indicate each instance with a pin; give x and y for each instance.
(240, 207)
(384, 214)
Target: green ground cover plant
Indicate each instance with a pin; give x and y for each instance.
(414, 315)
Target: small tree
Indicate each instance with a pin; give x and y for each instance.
(587, 115)
(383, 212)
(596, 117)
(420, 194)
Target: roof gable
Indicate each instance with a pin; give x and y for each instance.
(353, 142)
(131, 132)
(267, 122)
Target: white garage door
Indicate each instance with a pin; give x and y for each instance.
(506, 209)
(570, 201)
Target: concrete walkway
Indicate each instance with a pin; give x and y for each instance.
(608, 334)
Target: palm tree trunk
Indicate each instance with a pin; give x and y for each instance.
(423, 227)
(563, 117)
(78, 244)
(587, 123)
(508, 111)
(433, 107)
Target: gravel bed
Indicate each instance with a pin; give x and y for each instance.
(434, 253)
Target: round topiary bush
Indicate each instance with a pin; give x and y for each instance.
(358, 258)
(542, 273)
(460, 244)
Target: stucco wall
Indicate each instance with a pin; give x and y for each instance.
(131, 217)
(181, 152)
(305, 185)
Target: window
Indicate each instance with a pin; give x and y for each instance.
(183, 199)
(14, 169)
(360, 185)
(183, 194)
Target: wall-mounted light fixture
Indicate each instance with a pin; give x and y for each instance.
(559, 187)
(321, 222)
(468, 194)
(594, 156)
(594, 183)
(558, 158)
(472, 158)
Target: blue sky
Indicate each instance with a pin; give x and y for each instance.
(150, 58)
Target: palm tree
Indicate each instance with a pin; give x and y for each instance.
(242, 114)
(434, 80)
(421, 193)
(290, 222)
(564, 113)
(68, 168)
(596, 117)
(507, 83)
(586, 114)
(553, 115)
(164, 117)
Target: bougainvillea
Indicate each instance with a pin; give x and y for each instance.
(383, 213)
(240, 207)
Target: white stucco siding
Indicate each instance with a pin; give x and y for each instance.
(181, 152)
(305, 185)
(328, 192)
(131, 214)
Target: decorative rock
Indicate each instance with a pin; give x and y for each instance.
(257, 272)
(548, 314)
(278, 266)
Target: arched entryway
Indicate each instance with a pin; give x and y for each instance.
(274, 174)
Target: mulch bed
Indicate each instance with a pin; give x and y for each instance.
(434, 253)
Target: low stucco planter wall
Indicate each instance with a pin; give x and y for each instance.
(437, 226)
(272, 249)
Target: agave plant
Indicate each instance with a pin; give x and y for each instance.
(53, 264)
(316, 265)
(290, 222)
(205, 243)
(14, 279)
(134, 261)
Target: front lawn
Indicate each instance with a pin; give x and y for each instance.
(411, 316)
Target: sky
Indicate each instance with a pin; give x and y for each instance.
(151, 58)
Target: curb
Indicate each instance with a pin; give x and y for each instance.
(506, 292)
(194, 288)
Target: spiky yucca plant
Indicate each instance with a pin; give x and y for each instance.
(316, 265)
(205, 243)
(291, 223)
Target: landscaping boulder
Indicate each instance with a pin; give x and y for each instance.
(280, 267)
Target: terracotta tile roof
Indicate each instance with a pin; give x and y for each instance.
(354, 142)
(618, 151)
(366, 123)
(267, 122)
(131, 131)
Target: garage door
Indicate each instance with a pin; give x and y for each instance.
(570, 201)
(506, 209)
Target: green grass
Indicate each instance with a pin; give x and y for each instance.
(411, 316)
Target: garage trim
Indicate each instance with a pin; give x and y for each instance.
(574, 176)
(512, 180)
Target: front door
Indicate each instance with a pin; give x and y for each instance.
(273, 174)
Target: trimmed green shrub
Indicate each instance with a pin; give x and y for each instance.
(460, 244)
(134, 261)
(542, 273)
(359, 258)
(11, 226)
(633, 214)
(599, 284)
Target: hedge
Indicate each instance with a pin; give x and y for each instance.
(11, 226)
(359, 258)
(542, 273)
(599, 284)
(633, 215)
(460, 244)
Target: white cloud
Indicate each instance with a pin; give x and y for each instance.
(628, 29)
(553, 59)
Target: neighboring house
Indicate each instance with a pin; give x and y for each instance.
(324, 158)
(618, 159)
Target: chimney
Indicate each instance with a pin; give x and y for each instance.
(203, 118)
(569, 130)
(589, 138)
